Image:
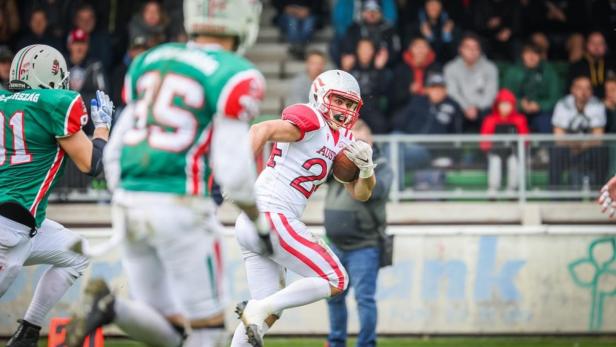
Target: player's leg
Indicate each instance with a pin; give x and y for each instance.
(337, 310)
(300, 251)
(190, 252)
(15, 247)
(264, 276)
(51, 246)
(147, 317)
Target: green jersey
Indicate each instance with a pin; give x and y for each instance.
(31, 160)
(177, 90)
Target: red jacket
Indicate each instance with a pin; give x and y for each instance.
(494, 119)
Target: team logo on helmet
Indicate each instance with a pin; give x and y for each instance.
(55, 67)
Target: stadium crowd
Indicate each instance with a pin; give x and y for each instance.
(424, 67)
(535, 49)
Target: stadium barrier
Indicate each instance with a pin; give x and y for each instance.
(459, 167)
(445, 280)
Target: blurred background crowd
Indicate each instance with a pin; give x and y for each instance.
(424, 66)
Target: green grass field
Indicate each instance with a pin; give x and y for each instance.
(427, 342)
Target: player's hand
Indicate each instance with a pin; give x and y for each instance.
(264, 232)
(607, 199)
(360, 154)
(101, 110)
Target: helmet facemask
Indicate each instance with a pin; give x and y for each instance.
(342, 109)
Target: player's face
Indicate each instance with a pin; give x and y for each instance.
(342, 111)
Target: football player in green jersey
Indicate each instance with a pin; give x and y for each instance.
(40, 124)
(187, 117)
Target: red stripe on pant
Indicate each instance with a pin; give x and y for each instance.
(312, 245)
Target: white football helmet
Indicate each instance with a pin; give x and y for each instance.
(340, 83)
(237, 18)
(38, 67)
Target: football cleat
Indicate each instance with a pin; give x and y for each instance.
(26, 335)
(98, 303)
(252, 319)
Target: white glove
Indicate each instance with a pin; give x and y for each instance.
(360, 154)
(607, 197)
(101, 110)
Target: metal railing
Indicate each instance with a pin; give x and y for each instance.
(460, 167)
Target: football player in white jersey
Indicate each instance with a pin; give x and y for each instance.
(307, 139)
(607, 199)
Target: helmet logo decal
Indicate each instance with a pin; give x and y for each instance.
(321, 84)
(55, 67)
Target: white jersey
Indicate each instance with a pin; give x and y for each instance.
(295, 170)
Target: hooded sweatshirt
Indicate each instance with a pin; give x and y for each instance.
(495, 123)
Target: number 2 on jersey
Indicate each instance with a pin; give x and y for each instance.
(158, 97)
(308, 164)
(21, 154)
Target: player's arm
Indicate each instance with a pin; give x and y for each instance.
(231, 155)
(360, 153)
(88, 155)
(113, 150)
(273, 130)
(234, 160)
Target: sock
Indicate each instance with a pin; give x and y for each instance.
(206, 338)
(50, 288)
(299, 293)
(145, 324)
(239, 336)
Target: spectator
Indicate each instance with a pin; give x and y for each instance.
(557, 19)
(9, 21)
(575, 47)
(354, 227)
(86, 74)
(595, 64)
(434, 25)
(504, 119)
(540, 40)
(100, 41)
(137, 45)
(578, 113)
(298, 22)
(6, 57)
(38, 32)
(374, 80)
(150, 22)
(417, 61)
(499, 22)
(315, 65)
(536, 86)
(433, 113)
(345, 13)
(374, 27)
(603, 14)
(610, 104)
(58, 14)
(472, 81)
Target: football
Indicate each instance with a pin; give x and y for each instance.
(345, 170)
